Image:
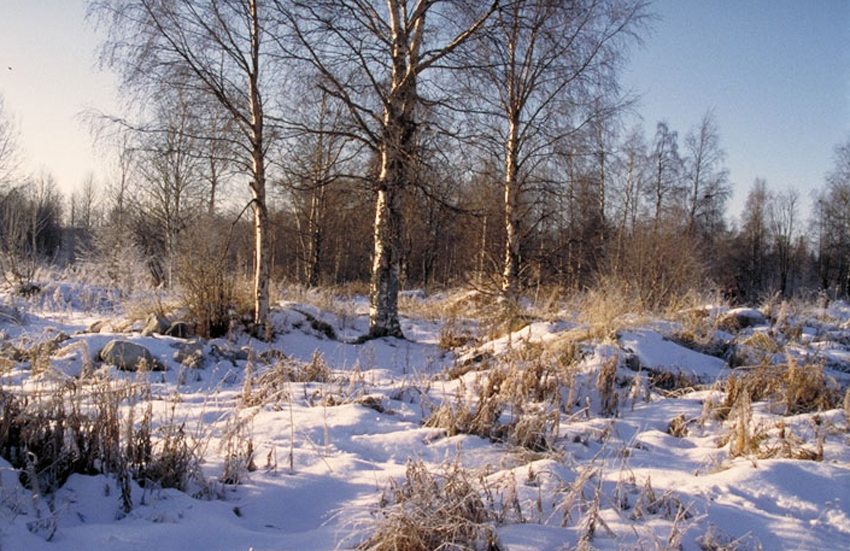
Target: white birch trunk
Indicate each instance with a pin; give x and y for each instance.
(262, 264)
(510, 274)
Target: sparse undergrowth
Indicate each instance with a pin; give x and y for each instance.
(79, 428)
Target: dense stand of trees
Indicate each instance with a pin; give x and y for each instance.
(407, 143)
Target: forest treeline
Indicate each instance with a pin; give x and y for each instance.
(405, 143)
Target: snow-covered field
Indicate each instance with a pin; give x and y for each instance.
(556, 436)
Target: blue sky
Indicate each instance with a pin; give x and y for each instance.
(776, 73)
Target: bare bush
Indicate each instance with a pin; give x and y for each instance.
(238, 447)
(211, 291)
(54, 435)
(655, 268)
(273, 385)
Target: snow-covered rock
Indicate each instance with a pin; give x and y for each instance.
(129, 356)
(656, 352)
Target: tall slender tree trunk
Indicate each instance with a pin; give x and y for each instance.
(386, 263)
(510, 274)
(317, 202)
(262, 264)
(627, 208)
(314, 255)
(213, 184)
(482, 252)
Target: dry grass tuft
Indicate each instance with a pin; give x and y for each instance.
(672, 383)
(510, 404)
(678, 426)
(273, 386)
(762, 342)
(805, 388)
(237, 446)
(454, 335)
(717, 540)
(428, 511)
(603, 310)
(793, 387)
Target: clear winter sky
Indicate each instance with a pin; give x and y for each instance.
(776, 73)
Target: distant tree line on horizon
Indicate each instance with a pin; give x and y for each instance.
(406, 144)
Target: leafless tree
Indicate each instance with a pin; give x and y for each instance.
(632, 166)
(542, 68)
(170, 190)
(213, 48)
(85, 205)
(83, 216)
(832, 224)
(782, 219)
(707, 178)
(667, 173)
(371, 58)
(30, 215)
(754, 239)
(315, 160)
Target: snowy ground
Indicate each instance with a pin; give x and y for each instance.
(609, 471)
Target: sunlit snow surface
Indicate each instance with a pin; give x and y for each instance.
(344, 455)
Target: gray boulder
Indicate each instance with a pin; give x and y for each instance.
(155, 324)
(129, 356)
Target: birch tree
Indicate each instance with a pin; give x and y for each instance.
(170, 190)
(667, 170)
(782, 217)
(371, 57)
(632, 166)
(214, 48)
(707, 178)
(754, 239)
(315, 161)
(548, 63)
(834, 210)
